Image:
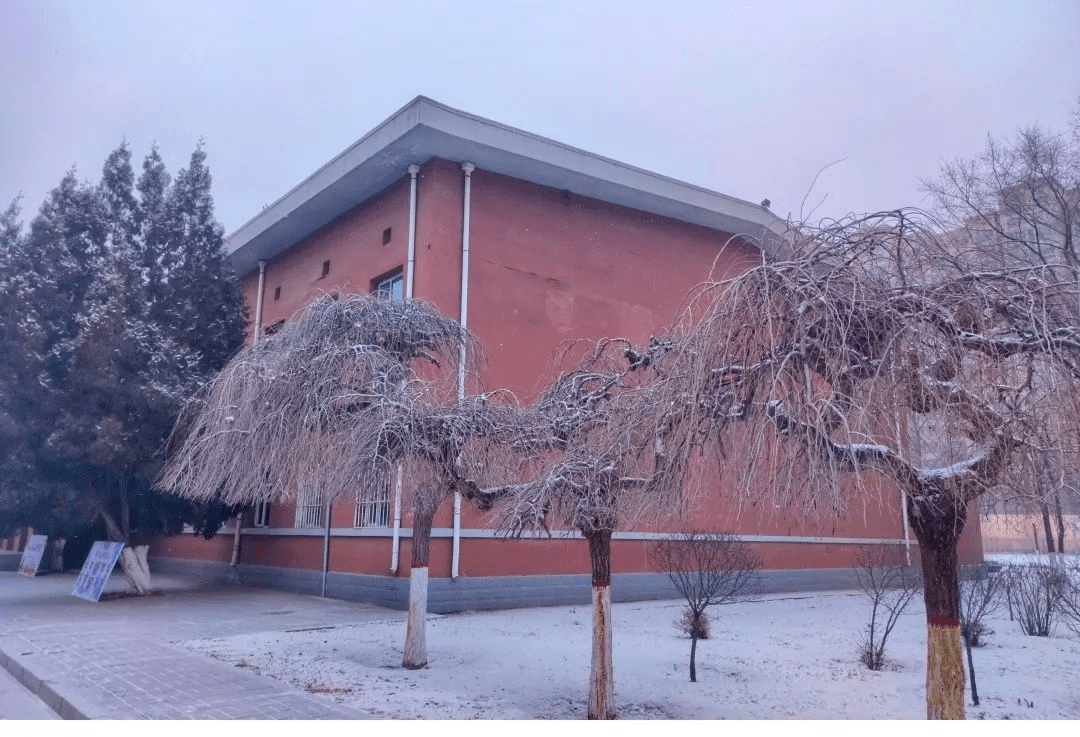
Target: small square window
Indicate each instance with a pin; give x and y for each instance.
(325, 269)
(386, 237)
(277, 293)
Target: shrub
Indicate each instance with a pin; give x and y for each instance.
(695, 625)
(890, 588)
(1037, 594)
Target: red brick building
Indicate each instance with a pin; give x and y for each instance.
(559, 244)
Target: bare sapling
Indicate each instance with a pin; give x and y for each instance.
(890, 586)
(707, 569)
(980, 596)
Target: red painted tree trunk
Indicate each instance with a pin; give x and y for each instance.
(601, 678)
(937, 526)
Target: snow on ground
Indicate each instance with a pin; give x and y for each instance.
(784, 656)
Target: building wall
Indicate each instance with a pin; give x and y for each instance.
(547, 268)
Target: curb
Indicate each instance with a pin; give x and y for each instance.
(69, 705)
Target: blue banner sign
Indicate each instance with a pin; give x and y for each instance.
(32, 554)
(95, 571)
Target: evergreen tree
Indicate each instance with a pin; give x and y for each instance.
(127, 307)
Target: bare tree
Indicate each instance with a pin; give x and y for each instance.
(707, 569)
(890, 586)
(980, 596)
(1018, 200)
(1018, 203)
(871, 346)
(591, 457)
(331, 405)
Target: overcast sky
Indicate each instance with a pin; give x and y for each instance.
(750, 99)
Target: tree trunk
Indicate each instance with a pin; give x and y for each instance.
(937, 527)
(415, 640)
(1048, 529)
(135, 566)
(132, 560)
(971, 672)
(601, 677)
(125, 508)
(1060, 523)
(693, 652)
(56, 562)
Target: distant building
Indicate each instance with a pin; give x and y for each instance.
(563, 244)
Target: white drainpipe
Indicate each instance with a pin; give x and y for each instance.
(414, 170)
(907, 534)
(464, 319)
(255, 335)
(326, 547)
(903, 499)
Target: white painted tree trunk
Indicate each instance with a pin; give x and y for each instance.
(56, 560)
(601, 678)
(134, 565)
(415, 642)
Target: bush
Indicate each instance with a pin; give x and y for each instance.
(693, 625)
(1070, 600)
(1037, 594)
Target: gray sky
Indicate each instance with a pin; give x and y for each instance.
(750, 99)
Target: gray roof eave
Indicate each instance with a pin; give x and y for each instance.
(424, 130)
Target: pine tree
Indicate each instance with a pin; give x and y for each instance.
(127, 307)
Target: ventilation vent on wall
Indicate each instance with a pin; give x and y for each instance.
(386, 237)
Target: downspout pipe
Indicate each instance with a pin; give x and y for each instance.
(414, 170)
(904, 501)
(256, 333)
(455, 561)
(326, 547)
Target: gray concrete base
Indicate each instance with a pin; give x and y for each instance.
(488, 592)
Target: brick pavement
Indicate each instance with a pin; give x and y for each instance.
(118, 659)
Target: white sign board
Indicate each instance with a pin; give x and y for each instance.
(32, 553)
(95, 571)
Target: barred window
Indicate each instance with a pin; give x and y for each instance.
(261, 514)
(374, 512)
(308, 512)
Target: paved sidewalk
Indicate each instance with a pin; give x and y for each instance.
(119, 659)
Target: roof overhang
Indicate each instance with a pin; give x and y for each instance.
(424, 130)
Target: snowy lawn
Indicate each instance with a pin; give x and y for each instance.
(785, 656)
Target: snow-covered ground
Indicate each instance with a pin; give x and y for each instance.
(785, 656)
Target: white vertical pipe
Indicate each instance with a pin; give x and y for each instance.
(326, 547)
(414, 170)
(464, 320)
(234, 560)
(903, 496)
